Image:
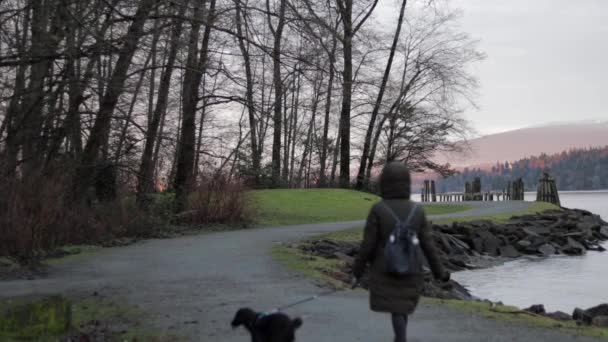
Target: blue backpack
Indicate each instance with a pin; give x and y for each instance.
(402, 249)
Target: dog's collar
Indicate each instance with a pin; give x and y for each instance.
(265, 314)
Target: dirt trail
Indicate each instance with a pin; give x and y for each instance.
(206, 278)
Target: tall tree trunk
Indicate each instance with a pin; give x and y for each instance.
(334, 164)
(294, 130)
(361, 180)
(347, 89)
(325, 141)
(150, 154)
(100, 131)
(255, 155)
(14, 115)
(309, 135)
(287, 121)
(33, 103)
(185, 160)
(276, 56)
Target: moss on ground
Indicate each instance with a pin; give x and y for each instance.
(317, 268)
(306, 206)
(125, 322)
(34, 318)
(49, 319)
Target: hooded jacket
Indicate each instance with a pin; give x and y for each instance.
(389, 293)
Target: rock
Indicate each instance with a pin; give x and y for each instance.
(445, 244)
(599, 310)
(578, 314)
(600, 321)
(509, 251)
(478, 245)
(546, 249)
(34, 317)
(530, 232)
(573, 247)
(346, 258)
(538, 230)
(460, 245)
(559, 315)
(491, 245)
(537, 309)
(604, 232)
(523, 244)
(587, 316)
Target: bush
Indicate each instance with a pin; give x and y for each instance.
(217, 199)
(36, 215)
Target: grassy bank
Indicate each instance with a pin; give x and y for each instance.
(290, 207)
(516, 315)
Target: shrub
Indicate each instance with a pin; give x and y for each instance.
(217, 199)
(36, 215)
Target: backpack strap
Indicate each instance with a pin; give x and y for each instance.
(409, 217)
(413, 211)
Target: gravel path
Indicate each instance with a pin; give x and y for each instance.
(206, 278)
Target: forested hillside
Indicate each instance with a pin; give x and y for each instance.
(579, 169)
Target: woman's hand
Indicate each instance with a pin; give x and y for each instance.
(355, 283)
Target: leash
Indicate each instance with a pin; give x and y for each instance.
(301, 301)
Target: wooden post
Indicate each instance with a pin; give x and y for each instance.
(433, 192)
(547, 190)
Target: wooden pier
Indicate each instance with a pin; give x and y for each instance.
(473, 192)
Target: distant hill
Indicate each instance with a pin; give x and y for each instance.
(533, 141)
(577, 169)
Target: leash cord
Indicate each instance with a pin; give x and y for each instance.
(305, 300)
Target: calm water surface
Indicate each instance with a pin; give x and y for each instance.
(560, 283)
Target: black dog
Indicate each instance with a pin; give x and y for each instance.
(274, 327)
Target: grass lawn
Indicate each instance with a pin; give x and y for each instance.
(289, 207)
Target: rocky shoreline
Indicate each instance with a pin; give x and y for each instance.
(483, 244)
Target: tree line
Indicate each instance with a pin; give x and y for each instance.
(576, 169)
(279, 93)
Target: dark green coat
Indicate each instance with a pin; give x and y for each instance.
(389, 293)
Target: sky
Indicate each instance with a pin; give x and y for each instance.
(547, 60)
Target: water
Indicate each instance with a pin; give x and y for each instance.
(560, 283)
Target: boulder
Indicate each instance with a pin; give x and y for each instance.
(537, 309)
(573, 247)
(491, 245)
(546, 250)
(538, 230)
(604, 232)
(34, 318)
(600, 321)
(587, 316)
(523, 244)
(530, 232)
(478, 245)
(458, 244)
(559, 315)
(509, 251)
(445, 244)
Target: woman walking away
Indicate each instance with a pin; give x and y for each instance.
(394, 289)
